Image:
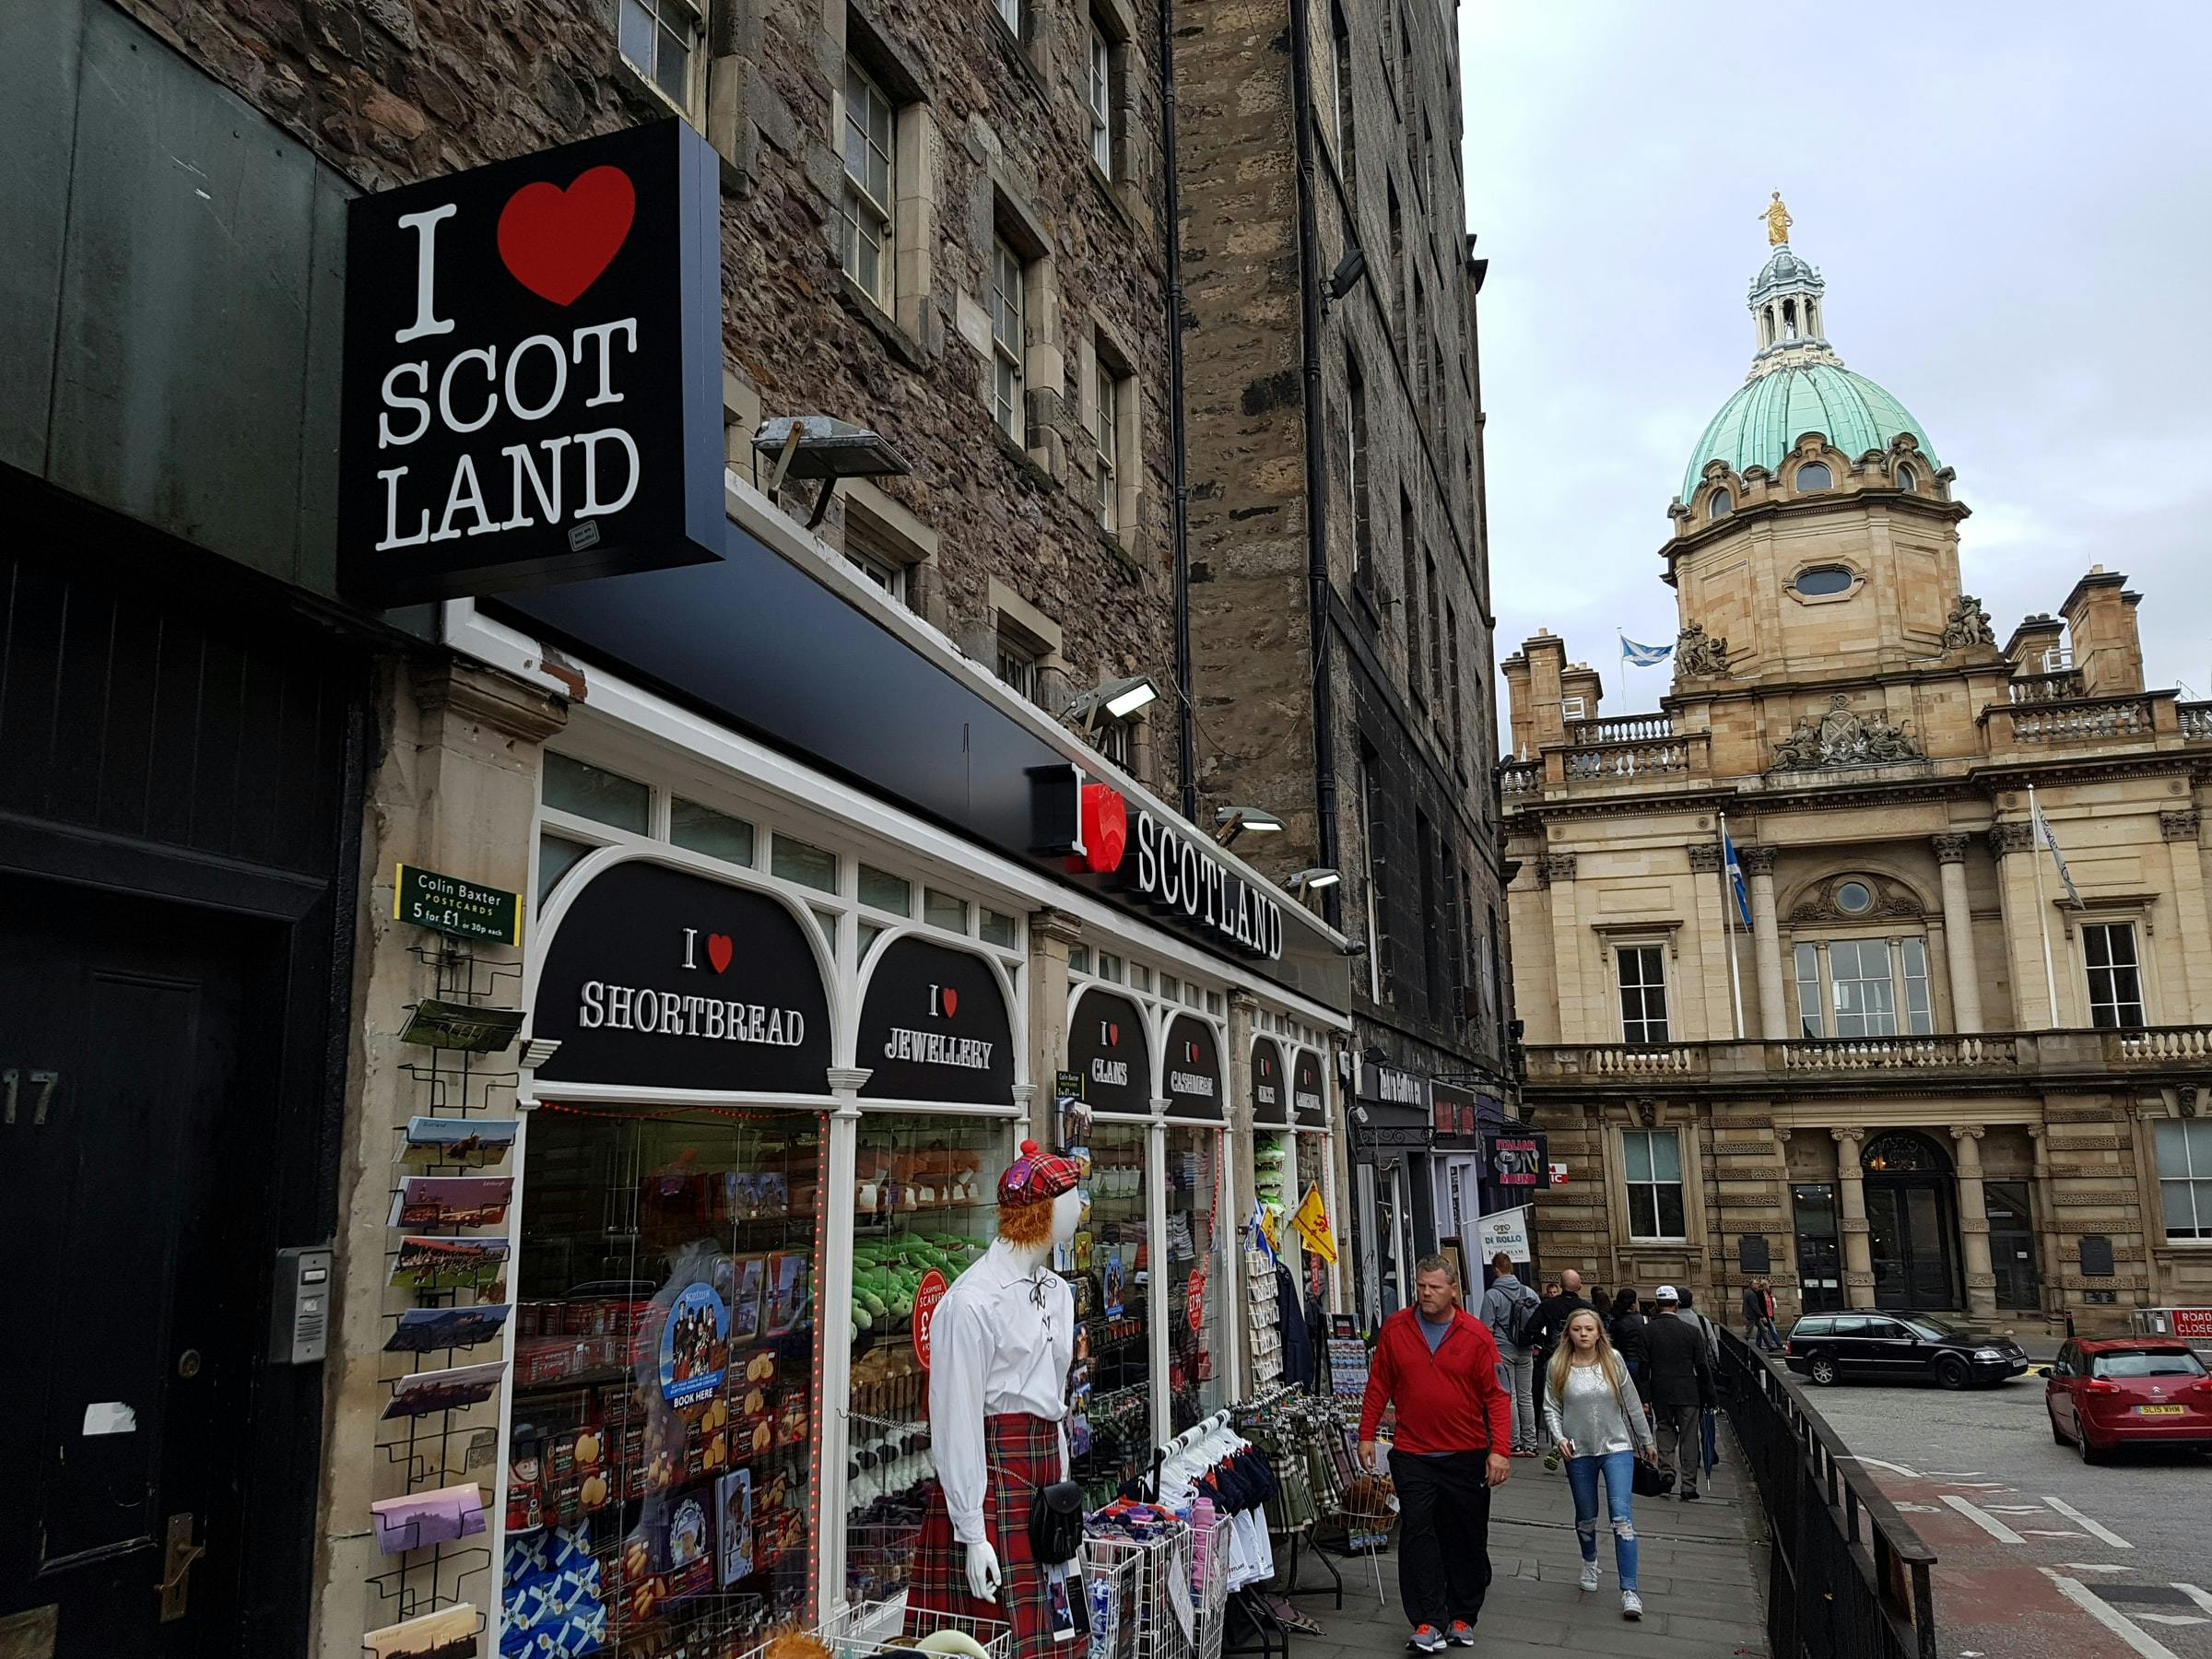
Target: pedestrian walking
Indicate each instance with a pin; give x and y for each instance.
(1560, 1299)
(1755, 1312)
(1437, 1363)
(1770, 1337)
(1509, 1310)
(1709, 1416)
(1592, 1411)
(1626, 1331)
(1680, 1380)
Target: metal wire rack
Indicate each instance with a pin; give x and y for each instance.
(1176, 1587)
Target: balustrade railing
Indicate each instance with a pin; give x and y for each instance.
(1521, 778)
(2160, 1044)
(1894, 1053)
(2195, 719)
(2061, 723)
(2062, 687)
(1625, 728)
(1615, 760)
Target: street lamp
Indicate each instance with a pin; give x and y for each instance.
(823, 447)
(1237, 820)
(1313, 881)
(1113, 699)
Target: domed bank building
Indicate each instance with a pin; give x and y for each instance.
(1894, 1057)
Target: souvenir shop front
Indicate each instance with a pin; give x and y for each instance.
(782, 1035)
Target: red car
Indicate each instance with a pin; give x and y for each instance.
(2107, 1392)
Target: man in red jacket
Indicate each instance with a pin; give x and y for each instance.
(1455, 1429)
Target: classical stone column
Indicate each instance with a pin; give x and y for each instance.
(2047, 1243)
(1858, 1248)
(2014, 845)
(1713, 938)
(1775, 1022)
(1973, 1224)
(1959, 935)
(2179, 831)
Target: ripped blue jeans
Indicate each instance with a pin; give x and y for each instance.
(1618, 1468)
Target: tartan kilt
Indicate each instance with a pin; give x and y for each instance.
(1022, 1454)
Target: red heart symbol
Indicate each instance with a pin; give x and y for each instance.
(1113, 1036)
(556, 241)
(1105, 826)
(718, 950)
(951, 1000)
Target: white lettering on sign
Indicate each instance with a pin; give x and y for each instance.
(1397, 1087)
(937, 1048)
(1189, 1083)
(668, 1014)
(1173, 873)
(1307, 1103)
(1265, 1094)
(1115, 1072)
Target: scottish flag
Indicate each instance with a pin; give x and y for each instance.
(1736, 876)
(1643, 657)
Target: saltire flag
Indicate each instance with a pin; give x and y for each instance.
(1736, 876)
(1643, 657)
(2043, 833)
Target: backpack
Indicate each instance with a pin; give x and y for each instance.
(1519, 1316)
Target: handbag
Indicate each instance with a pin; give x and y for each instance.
(1056, 1523)
(1649, 1480)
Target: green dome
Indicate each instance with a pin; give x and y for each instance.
(1769, 412)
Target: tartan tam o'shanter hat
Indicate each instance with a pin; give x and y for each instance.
(1037, 1177)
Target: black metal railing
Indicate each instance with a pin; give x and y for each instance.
(1847, 1577)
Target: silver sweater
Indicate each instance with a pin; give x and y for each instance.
(1591, 1415)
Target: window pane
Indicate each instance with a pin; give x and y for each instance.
(1110, 966)
(1667, 1156)
(799, 861)
(2173, 1145)
(869, 933)
(2094, 949)
(2176, 1202)
(942, 909)
(1643, 1213)
(1078, 959)
(996, 929)
(1670, 1211)
(1636, 1154)
(704, 829)
(672, 71)
(571, 786)
(637, 33)
(885, 891)
(826, 921)
(2199, 1141)
(1811, 1021)
(555, 857)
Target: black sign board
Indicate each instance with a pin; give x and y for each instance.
(934, 1027)
(1194, 1069)
(533, 371)
(1393, 1087)
(449, 905)
(1106, 1045)
(1753, 1253)
(1513, 1170)
(1308, 1094)
(1270, 1083)
(2096, 1255)
(1453, 1109)
(658, 978)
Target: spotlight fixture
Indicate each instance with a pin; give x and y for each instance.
(1313, 881)
(1110, 700)
(822, 446)
(1234, 821)
(1344, 278)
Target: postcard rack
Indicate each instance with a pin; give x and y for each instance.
(429, 1446)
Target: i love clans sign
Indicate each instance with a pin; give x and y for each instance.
(533, 371)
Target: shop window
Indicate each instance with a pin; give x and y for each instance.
(826, 921)
(2108, 948)
(1109, 1268)
(925, 1199)
(1214, 1002)
(664, 1415)
(1196, 1267)
(704, 829)
(1642, 993)
(660, 39)
(1652, 1171)
(1169, 986)
(879, 890)
(603, 797)
(869, 933)
(1078, 959)
(557, 855)
(1140, 976)
(792, 859)
(1110, 966)
(942, 910)
(998, 929)
(2185, 1176)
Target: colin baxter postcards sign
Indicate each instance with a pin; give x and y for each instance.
(533, 372)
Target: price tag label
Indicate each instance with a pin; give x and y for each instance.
(927, 1295)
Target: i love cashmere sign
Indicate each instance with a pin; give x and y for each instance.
(533, 371)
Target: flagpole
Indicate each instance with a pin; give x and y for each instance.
(1736, 973)
(2042, 910)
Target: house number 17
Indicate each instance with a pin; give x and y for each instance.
(41, 1093)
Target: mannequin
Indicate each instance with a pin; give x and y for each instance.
(1000, 1347)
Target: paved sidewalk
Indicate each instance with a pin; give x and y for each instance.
(1701, 1576)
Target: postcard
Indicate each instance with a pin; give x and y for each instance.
(423, 1329)
(788, 1288)
(469, 1142)
(734, 1496)
(429, 1264)
(464, 1385)
(420, 1518)
(745, 1307)
(449, 1634)
(451, 1201)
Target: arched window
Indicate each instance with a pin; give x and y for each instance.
(1901, 1152)
(1814, 475)
(1907, 478)
(1718, 505)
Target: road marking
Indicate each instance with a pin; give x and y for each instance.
(2092, 1567)
(1954, 1474)
(2200, 1597)
(1878, 1463)
(2110, 1617)
(2096, 1528)
(2175, 1618)
(2014, 1508)
(2037, 1532)
(1986, 1521)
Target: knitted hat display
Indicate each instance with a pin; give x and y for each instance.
(1037, 1177)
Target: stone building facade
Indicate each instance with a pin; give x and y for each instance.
(1906, 1062)
(1339, 595)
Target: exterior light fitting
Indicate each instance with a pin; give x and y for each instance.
(823, 447)
(1113, 699)
(1234, 821)
(1313, 881)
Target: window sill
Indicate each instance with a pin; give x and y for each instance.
(1679, 1243)
(1029, 463)
(1121, 554)
(864, 306)
(1110, 193)
(1017, 53)
(634, 80)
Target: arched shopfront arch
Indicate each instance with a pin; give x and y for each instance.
(1912, 1221)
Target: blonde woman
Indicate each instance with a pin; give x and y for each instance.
(1591, 1408)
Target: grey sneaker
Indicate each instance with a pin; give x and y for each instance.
(1426, 1639)
(1589, 1575)
(1631, 1605)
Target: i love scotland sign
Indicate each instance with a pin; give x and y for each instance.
(533, 371)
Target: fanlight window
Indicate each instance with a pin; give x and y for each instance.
(1903, 1154)
(1718, 505)
(1907, 478)
(1814, 475)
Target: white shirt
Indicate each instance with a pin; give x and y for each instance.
(993, 1349)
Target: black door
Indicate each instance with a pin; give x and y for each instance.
(1910, 1225)
(2012, 1245)
(1819, 1251)
(1890, 1350)
(124, 1067)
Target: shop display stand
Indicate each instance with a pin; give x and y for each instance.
(443, 1447)
(1194, 1557)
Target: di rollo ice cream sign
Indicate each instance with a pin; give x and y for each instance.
(532, 374)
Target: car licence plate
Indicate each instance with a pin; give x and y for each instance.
(2161, 1410)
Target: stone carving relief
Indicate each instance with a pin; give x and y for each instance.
(1843, 736)
(1819, 905)
(1697, 653)
(1950, 849)
(2178, 825)
(1969, 625)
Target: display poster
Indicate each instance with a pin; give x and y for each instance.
(1270, 1083)
(733, 1500)
(1195, 1297)
(1194, 1069)
(1514, 1169)
(694, 1346)
(927, 1295)
(1106, 1048)
(934, 1026)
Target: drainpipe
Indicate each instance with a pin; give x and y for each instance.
(1187, 715)
(1317, 523)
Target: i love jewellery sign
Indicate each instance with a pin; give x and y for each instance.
(533, 371)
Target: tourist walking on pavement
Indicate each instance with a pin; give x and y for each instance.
(1437, 1363)
(1709, 1418)
(1509, 1309)
(1680, 1380)
(1755, 1312)
(1769, 1338)
(1552, 1315)
(1592, 1409)
(1625, 1331)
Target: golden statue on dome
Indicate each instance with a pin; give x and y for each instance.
(1778, 222)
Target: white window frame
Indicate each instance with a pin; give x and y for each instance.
(1651, 1185)
(1009, 379)
(887, 574)
(2110, 972)
(1108, 391)
(1101, 100)
(658, 15)
(1646, 952)
(1009, 13)
(1017, 665)
(859, 206)
(1904, 1019)
(2193, 1175)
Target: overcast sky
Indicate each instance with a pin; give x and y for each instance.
(2011, 203)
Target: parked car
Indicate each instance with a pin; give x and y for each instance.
(2107, 1392)
(1895, 1348)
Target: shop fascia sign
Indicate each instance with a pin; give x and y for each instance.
(1394, 1087)
(1102, 833)
(533, 371)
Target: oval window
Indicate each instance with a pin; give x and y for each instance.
(1720, 504)
(1823, 580)
(1814, 475)
(1854, 898)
